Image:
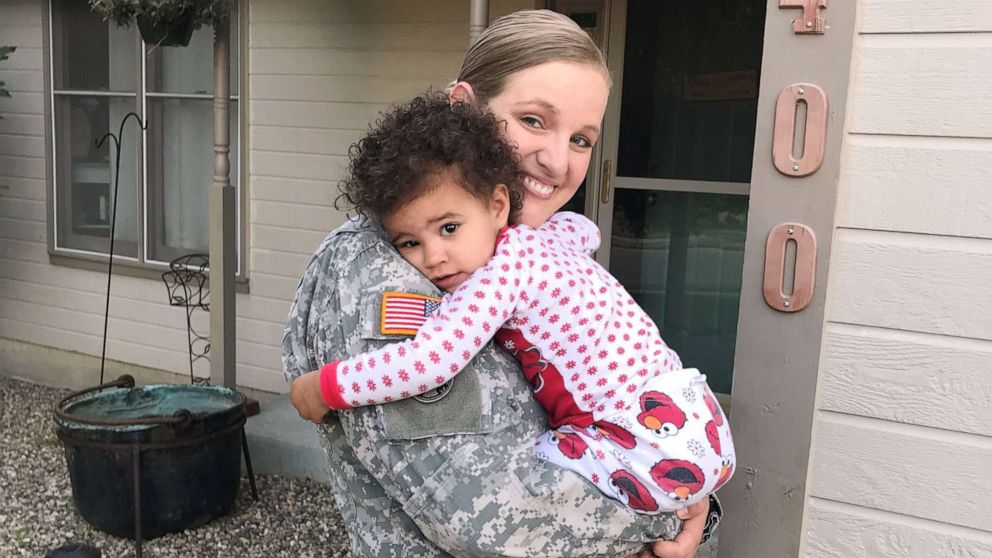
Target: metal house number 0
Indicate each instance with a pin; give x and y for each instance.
(787, 162)
(804, 271)
(814, 140)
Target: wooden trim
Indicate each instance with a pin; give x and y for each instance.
(777, 355)
(676, 185)
(127, 267)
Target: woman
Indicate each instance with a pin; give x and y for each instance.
(453, 473)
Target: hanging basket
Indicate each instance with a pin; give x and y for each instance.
(174, 33)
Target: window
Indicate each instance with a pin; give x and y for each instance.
(100, 73)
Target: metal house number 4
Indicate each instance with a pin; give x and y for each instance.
(810, 23)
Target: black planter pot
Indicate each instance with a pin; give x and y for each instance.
(174, 33)
(179, 444)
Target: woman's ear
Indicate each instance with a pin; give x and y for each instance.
(500, 205)
(462, 92)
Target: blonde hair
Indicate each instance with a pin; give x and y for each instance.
(521, 40)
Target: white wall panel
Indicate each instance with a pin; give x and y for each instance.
(926, 85)
(925, 16)
(914, 471)
(920, 283)
(913, 184)
(927, 380)
(846, 531)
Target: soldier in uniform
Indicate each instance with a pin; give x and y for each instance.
(452, 472)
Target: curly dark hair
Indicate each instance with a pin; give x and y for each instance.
(401, 157)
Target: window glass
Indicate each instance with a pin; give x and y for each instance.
(190, 70)
(84, 174)
(181, 172)
(91, 54)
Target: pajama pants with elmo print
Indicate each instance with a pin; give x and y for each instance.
(671, 449)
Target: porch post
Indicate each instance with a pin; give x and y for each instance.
(223, 248)
(478, 19)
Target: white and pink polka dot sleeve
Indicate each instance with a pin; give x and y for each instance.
(447, 341)
(573, 229)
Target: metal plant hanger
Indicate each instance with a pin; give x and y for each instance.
(113, 222)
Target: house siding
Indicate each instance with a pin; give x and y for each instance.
(318, 73)
(903, 431)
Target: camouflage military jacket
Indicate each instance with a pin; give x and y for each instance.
(450, 473)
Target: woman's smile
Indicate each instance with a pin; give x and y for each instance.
(537, 188)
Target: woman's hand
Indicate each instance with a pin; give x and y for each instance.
(686, 543)
(305, 395)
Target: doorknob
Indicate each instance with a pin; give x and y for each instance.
(607, 182)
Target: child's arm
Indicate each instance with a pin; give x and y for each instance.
(445, 343)
(575, 230)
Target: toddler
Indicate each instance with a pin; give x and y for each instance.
(623, 412)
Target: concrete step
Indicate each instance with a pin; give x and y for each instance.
(282, 443)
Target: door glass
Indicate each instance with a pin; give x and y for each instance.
(680, 256)
(687, 114)
(690, 89)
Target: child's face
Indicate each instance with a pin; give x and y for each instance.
(448, 233)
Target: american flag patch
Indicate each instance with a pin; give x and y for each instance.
(404, 313)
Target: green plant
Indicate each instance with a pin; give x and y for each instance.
(162, 12)
(4, 54)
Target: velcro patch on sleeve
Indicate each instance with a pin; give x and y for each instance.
(404, 313)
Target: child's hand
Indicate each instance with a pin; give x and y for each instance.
(686, 543)
(305, 395)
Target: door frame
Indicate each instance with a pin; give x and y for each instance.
(777, 354)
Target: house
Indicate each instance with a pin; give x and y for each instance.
(833, 281)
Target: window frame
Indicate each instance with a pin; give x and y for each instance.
(144, 265)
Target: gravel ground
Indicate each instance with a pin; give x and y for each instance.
(293, 517)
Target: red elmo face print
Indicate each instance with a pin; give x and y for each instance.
(679, 479)
(713, 436)
(616, 433)
(632, 492)
(713, 406)
(660, 414)
(571, 445)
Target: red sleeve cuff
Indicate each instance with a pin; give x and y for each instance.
(329, 387)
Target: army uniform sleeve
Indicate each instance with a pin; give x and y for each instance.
(376, 523)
